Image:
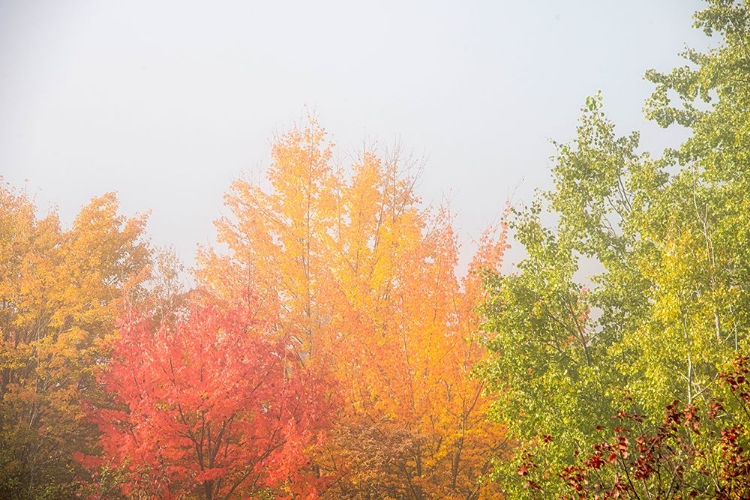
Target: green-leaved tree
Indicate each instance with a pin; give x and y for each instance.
(670, 307)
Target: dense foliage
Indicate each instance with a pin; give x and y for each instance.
(60, 292)
(330, 350)
(668, 312)
(361, 278)
(209, 407)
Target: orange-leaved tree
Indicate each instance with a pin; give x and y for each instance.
(59, 295)
(363, 278)
(209, 407)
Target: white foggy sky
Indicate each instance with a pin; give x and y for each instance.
(168, 102)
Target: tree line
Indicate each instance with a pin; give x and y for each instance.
(329, 348)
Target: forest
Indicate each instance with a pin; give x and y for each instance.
(330, 347)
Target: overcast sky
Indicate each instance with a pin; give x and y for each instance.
(168, 102)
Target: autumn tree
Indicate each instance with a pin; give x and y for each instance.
(208, 407)
(361, 276)
(60, 291)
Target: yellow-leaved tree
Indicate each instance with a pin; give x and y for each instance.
(59, 295)
(363, 277)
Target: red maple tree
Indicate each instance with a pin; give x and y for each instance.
(208, 406)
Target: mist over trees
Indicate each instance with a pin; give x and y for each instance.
(330, 348)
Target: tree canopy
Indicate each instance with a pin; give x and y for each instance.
(667, 313)
(330, 347)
